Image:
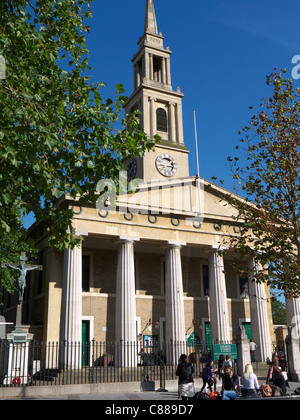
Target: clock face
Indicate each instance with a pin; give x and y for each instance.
(131, 169)
(166, 165)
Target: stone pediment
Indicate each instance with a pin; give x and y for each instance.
(180, 197)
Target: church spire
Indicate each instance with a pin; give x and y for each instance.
(150, 25)
(159, 105)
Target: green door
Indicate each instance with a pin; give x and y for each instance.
(208, 335)
(85, 342)
(247, 326)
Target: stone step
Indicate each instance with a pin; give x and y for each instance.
(260, 369)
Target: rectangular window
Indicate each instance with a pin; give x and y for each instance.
(157, 66)
(161, 120)
(139, 70)
(86, 273)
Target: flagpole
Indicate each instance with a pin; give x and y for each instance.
(197, 157)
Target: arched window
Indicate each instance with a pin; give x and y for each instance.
(161, 120)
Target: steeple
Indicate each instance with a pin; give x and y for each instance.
(160, 106)
(150, 25)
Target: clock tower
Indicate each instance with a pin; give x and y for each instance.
(160, 107)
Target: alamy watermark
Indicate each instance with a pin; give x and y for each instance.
(296, 69)
(152, 198)
(295, 327)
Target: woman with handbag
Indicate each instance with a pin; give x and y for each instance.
(185, 371)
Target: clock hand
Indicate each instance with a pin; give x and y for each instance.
(167, 164)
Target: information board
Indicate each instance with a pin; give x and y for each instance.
(225, 349)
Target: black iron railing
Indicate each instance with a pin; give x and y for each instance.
(65, 363)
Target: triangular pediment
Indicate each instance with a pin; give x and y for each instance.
(180, 197)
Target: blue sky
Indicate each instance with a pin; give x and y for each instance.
(222, 52)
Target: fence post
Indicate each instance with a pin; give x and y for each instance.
(162, 374)
(293, 356)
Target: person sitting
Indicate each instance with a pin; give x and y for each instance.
(249, 382)
(276, 376)
(230, 384)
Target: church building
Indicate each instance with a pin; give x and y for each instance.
(150, 267)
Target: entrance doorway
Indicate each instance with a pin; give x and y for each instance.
(248, 332)
(85, 342)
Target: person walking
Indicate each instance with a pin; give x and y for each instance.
(230, 384)
(185, 371)
(227, 362)
(252, 350)
(220, 364)
(249, 382)
(208, 375)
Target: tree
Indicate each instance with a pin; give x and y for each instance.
(270, 181)
(57, 135)
(278, 312)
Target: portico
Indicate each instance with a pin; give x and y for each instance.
(142, 283)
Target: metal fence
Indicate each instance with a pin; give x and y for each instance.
(64, 363)
(33, 363)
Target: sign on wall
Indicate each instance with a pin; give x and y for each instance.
(225, 349)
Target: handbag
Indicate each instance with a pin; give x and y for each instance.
(266, 391)
(276, 391)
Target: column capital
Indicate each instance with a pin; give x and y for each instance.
(174, 244)
(217, 248)
(128, 239)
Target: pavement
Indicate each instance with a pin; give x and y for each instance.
(114, 397)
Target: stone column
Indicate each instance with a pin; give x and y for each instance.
(147, 65)
(152, 117)
(175, 319)
(259, 316)
(180, 138)
(172, 122)
(293, 313)
(71, 307)
(168, 68)
(293, 338)
(163, 70)
(125, 303)
(219, 319)
(151, 66)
